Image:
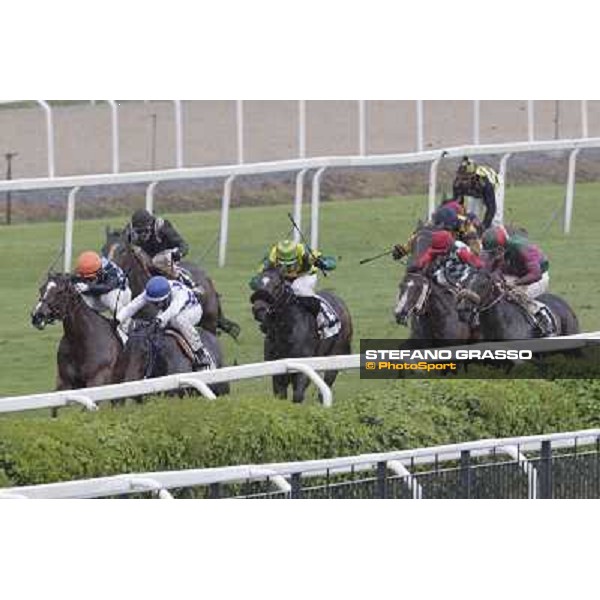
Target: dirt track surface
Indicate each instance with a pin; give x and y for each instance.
(83, 145)
(83, 132)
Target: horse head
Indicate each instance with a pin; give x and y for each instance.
(56, 296)
(142, 353)
(270, 290)
(412, 295)
(480, 288)
(114, 240)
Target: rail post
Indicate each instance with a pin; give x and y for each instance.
(114, 111)
(584, 119)
(69, 229)
(476, 122)
(301, 128)
(298, 197)
(530, 121)
(545, 471)
(433, 169)
(570, 192)
(419, 125)
(381, 489)
(362, 127)
(465, 474)
(150, 196)
(178, 134)
(49, 135)
(225, 220)
(239, 121)
(315, 202)
(499, 216)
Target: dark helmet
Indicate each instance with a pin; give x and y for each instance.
(142, 223)
(142, 219)
(446, 218)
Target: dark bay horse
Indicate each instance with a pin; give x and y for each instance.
(290, 325)
(154, 352)
(502, 318)
(138, 266)
(89, 349)
(430, 305)
(433, 310)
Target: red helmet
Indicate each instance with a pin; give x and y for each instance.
(88, 264)
(441, 241)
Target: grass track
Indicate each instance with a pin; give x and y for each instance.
(350, 230)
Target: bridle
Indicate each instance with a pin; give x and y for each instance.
(419, 306)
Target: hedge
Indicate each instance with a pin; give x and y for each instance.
(166, 434)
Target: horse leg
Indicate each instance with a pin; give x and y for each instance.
(280, 384)
(300, 383)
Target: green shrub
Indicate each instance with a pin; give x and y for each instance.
(195, 433)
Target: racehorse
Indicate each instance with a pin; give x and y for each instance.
(500, 314)
(290, 325)
(153, 352)
(434, 311)
(138, 267)
(429, 300)
(90, 346)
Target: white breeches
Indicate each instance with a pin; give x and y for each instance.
(305, 285)
(535, 289)
(185, 322)
(114, 301)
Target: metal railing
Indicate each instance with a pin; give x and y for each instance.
(560, 465)
(301, 166)
(361, 128)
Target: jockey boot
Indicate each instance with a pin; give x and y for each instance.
(328, 323)
(544, 322)
(202, 359)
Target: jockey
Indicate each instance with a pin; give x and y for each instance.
(300, 265)
(524, 265)
(457, 253)
(450, 216)
(179, 308)
(102, 283)
(478, 181)
(161, 242)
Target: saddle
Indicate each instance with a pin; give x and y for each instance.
(538, 313)
(181, 342)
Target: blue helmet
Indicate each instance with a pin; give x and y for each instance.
(158, 289)
(446, 218)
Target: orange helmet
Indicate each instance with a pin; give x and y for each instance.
(88, 264)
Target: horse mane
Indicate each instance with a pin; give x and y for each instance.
(74, 298)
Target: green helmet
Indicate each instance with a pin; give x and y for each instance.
(286, 253)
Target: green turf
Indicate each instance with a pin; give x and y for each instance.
(351, 230)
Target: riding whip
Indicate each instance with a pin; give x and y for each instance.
(305, 241)
(364, 261)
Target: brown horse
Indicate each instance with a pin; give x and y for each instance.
(89, 349)
(138, 267)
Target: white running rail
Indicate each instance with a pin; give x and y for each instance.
(89, 397)
(279, 473)
(320, 165)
